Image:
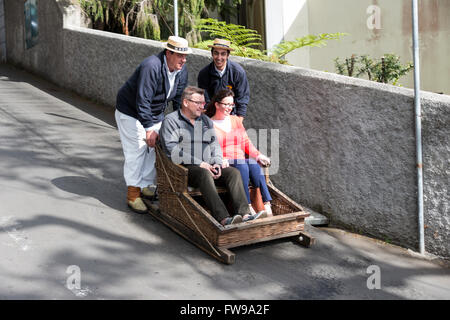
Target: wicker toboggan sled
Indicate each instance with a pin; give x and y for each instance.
(181, 209)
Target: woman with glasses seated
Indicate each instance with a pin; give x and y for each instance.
(238, 151)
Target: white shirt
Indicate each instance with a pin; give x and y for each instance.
(220, 72)
(224, 124)
(171, 76)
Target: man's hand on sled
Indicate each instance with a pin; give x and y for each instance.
(151, 137)
(214, 170)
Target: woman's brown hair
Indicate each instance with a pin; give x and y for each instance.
(219, 96)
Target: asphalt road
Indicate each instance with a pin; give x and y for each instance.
(66, 232)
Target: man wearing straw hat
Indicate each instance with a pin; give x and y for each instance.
(140, 106)
(223, 73)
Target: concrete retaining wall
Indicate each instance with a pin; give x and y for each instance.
(346, 146)
(2, 33)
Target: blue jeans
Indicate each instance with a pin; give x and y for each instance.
(251, 171)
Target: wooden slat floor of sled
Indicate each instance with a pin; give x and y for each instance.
(261, 230)
(222, 254)
(196, 192)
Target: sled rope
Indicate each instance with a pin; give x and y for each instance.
(178, 198)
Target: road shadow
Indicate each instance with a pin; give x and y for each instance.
(160, 263)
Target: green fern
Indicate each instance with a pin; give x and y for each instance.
(242, 39)
(284, 47)
(245, 41)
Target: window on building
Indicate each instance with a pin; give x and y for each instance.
(31, 23)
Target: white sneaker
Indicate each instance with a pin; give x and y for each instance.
(268, 209)
(252, 211)
(261, 214)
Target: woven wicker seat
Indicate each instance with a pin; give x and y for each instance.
(196, 192)
(179, 209)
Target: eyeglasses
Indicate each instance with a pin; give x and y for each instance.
(231, 105)
(198, 103)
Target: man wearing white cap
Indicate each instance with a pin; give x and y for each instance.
(223, 73)
(140, 106)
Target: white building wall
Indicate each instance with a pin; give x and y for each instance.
(274, 22)
(289, 19)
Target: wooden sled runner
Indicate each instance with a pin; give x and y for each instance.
(181, 210)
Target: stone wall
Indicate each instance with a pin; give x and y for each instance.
(2, 33)
(346, 145)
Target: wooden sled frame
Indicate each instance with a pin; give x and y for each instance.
(179, 210)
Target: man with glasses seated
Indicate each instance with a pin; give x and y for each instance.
(223, 73)
(188, 138)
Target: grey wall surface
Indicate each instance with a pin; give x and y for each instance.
(46, 58)
(2, 33)
(346, 146)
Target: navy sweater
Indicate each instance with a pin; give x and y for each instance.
(143, 96)
(234, 77)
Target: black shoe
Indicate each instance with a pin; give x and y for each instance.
(150, 193)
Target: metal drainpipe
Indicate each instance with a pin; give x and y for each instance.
(415, 21)
(175, 16)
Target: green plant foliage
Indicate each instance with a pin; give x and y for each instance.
(245, 41)
(146, 25)
(130, 17)
(348, 67)
(285, 47)
(153, 19)
(93, 8)
(224, 8)
(242, 39)
(388, 69)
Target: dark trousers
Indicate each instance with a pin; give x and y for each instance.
(251, 171)
(230, 179)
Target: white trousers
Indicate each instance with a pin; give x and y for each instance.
(139, 167)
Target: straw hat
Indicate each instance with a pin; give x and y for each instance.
(221, 44)
(178, 45)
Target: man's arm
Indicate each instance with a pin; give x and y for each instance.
(147, 84)
(216, 160)
(182, 83)
(241, 92)
(203, 82)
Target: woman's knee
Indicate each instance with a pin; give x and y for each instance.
(257, 178)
